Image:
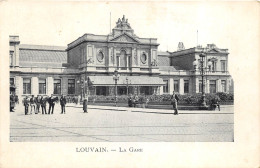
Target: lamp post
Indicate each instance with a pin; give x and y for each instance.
(116, 78)
(203, 69)
(127, 85)
(84, 93)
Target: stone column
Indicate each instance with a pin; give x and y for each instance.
(19, 88)
(171, 87)
(64, 86)
(181, 89)
(35, 86)
(49, 86)
(207, 86)
(160, 90)
(197, 85)
(218, 86)
(190, 85)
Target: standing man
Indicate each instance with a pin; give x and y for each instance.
(38, 103)
(51, 104)
(174, 101)
(26, 104)
(32, 103)
(62, 104)
(43, 104)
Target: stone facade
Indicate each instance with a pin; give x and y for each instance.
(89, 63)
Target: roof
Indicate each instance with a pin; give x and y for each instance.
(169, 68)
(132, 80)
(42, 56)
(42, 47)
(163, 53)
(163, 61)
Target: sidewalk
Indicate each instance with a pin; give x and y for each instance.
(227, 109)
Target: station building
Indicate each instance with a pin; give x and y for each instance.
(142, 69)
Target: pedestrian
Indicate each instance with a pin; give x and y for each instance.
(38, 103)
(12, 102)
(62, 104)
(43, 104)
(32, 104)
(26, 104)
(174, 102)
(130, 101)
(136, 100)
(52, 101)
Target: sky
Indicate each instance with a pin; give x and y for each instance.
(229, 25)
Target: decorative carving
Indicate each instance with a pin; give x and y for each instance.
(154, 62)
(112, 56)
(135, 57)
(123, 23)
(90, 61)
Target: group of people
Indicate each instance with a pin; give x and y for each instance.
(34, 103)
(133, 100)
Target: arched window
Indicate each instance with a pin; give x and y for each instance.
(123, 62)
(100, 56)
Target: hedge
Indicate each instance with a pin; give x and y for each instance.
(194, 99)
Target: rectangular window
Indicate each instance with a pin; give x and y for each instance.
(212, 86)
(200, 86)
(26, 86)
(223, 85)
(176, 86)
(186, 86)
(214, 66)
(71, 86)
(11, 81)
(57, 86)
(223, 65)
(42, 86)
(165, 86)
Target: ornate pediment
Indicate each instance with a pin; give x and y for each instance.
(124, 38)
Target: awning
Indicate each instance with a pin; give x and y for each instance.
(122, 81)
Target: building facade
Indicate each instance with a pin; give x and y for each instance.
(91, 60)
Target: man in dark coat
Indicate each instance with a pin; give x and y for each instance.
(52, 101)
(12, 102)
(174, 101)
(33, 104)
(62, 104)
(38, 103)
(26, 102)
(43, 104)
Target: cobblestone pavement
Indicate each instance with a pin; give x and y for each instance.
(108, 124)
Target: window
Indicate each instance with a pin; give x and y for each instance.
(223, 65)
(26, 86)
(186, 86)
(176, 86)
(214, 66)
(165, 86)
(212, 86)
(123, 57)
(101, 90)
(71, 86)
(57, 86)
(200, 86)
(11, 81)
(42, 86)
(83, 55)
(223, 85)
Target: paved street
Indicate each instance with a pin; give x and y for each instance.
(118, 124)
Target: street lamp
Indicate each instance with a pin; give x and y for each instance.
(84, 93)
(127, 85)
(203, 69)
(116, 78)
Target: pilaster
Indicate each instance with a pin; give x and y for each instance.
(35, 86)
(50, 86)
(181, 89)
